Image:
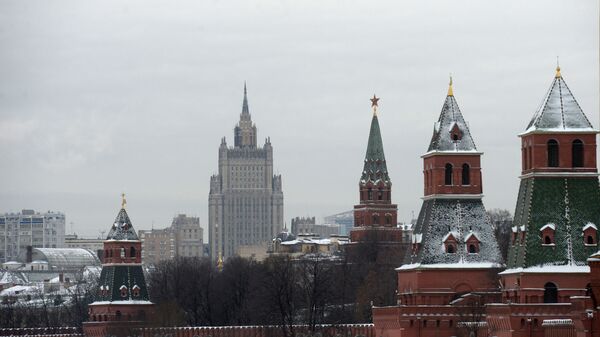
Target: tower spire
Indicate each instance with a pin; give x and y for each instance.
(558, 75)
(245, 110)
(450, 91)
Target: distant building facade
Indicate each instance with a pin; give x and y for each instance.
(188, 235)
(93, 244)
(308, 225)
(344, 219)
(183, 238)
(157, 245)
(246, 198)
(30, 228)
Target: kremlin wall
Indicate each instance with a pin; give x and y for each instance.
(452, 280)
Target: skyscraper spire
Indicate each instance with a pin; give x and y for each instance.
(245, 110)
(245, 131)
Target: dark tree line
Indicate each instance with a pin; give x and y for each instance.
(281, 291)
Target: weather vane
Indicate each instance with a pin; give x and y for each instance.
(123, 201)
(374, 105)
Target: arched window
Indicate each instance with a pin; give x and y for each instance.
(132, 252)
(590, 240)
(375, 219)
(577, 153)
(450, 249)
(388, 219)
(370, 194)
(118, 314)
(547, 240)
(472, 249)
(466, 175)
(552, 153)
(448, 174)
(122, 252)
(380, 194)
(529, 157)
(550, 293)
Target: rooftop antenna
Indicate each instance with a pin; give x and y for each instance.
(102, 234)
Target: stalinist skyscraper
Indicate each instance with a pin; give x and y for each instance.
(245, 203)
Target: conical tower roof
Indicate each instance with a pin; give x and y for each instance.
(375, 167)
(122, 229)
(559, 111)
(451, 132)
(245, 110)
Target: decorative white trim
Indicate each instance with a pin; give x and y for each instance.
(125, 264)
(559, 174)
(452, 196)
(450, 153)
(548, 225)
(559, 131)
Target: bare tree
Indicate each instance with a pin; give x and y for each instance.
(471, 312)
(501, 220)
(280, 288)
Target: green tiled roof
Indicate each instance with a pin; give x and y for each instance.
(114, 277)
(375, 167)
(569, 204)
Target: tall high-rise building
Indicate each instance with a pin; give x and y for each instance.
(30, 228)
(245, 199)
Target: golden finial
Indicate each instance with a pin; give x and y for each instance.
(123, 201)
(557, 69)
(220, 262)
(374, 105)
(450, 92)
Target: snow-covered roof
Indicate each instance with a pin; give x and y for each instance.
(471, 234)
(66, 258)
(12, 263)
(20, 289)
(559, 111)
(549, 225)
(451, 119)
(447, 236)
(514, 229)
(417, 238)
(589, 225)
(440, 218)
(548, 269)
(136, 302)
(11, 277)
(122, 229)
(458, 265)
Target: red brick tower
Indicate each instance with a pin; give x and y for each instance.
(122, 303)
(449, 272)
(375, 217)
(558, 208)
(452, 164)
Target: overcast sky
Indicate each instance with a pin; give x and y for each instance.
(103, 97)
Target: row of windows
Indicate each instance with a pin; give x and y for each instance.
(471, 249)
(552, 154)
